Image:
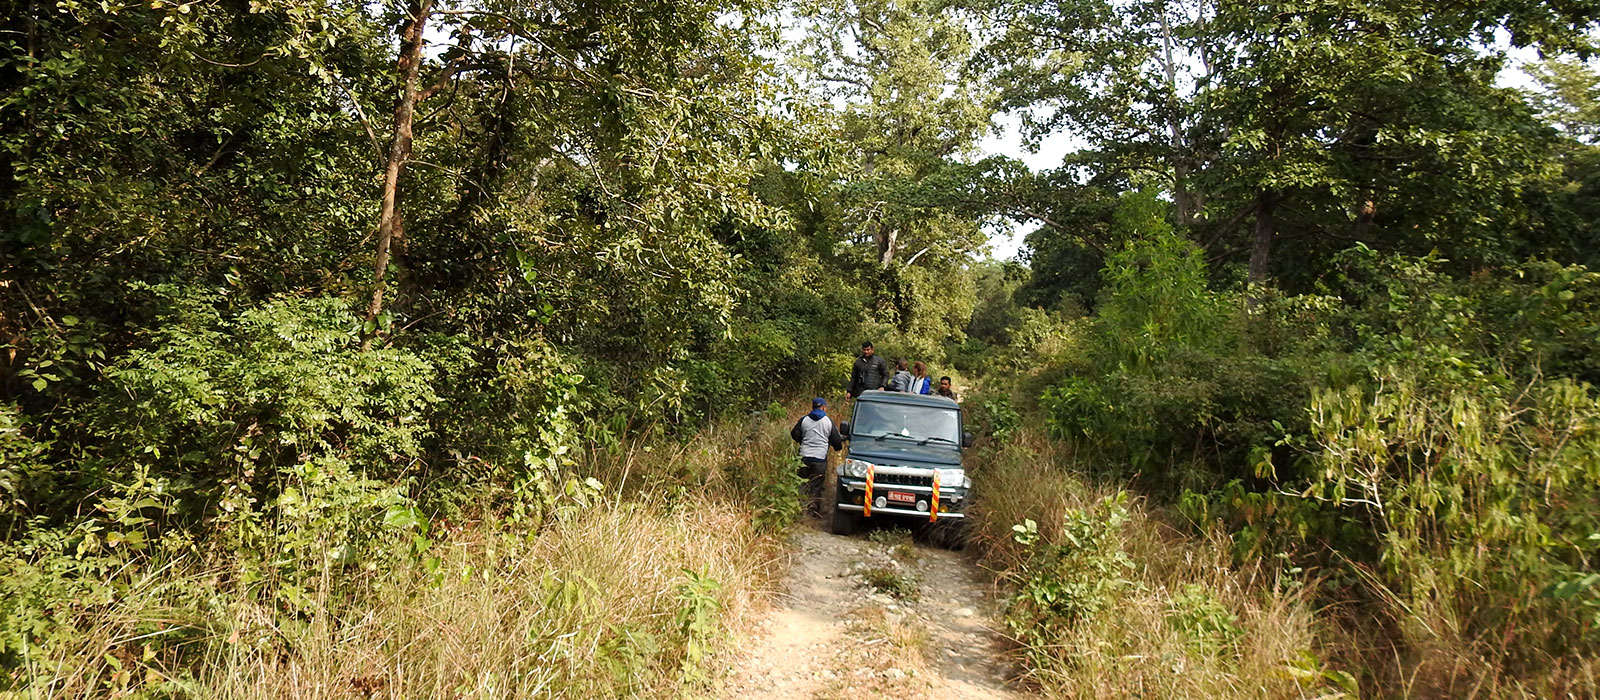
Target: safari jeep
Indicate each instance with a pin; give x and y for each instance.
(903, 462)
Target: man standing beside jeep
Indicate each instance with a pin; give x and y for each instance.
(815, 432)
(869, 372)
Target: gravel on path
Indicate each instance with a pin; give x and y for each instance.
(875, 617)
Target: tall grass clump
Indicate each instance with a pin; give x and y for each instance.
(1110, 601)
(611, 590)
(608, 603)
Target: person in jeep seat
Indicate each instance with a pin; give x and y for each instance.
(901, 381)
(869, 373)
(815, 432)
(945, 390)
(920, 383)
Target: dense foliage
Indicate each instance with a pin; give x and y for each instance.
(287, 287)
(1318, 277)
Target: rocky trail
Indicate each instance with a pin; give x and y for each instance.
(875, 616)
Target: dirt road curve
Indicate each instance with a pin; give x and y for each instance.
(874, 616)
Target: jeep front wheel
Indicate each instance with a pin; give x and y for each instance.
(844, 522)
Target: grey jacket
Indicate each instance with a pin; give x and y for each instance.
(901, 381)
(815, 436)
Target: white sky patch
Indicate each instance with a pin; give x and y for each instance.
(1005, 236)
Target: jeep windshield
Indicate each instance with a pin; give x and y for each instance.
(926, 425)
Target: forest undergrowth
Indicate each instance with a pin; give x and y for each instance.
(1386, 490)
(629, 587)
(1112, 594)
(1110, 598)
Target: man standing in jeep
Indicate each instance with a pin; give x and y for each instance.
(815, 432)
(869, 373)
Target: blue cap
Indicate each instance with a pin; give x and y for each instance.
(819, 402)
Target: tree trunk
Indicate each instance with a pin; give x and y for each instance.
(887, 236)
(1266, 229)
(1178, 156)
(1181, 199)
(390, 223)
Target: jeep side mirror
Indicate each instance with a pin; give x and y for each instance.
(844, 429)
(966, 439)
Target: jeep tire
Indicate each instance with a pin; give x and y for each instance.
(843, 522)
(840, 522)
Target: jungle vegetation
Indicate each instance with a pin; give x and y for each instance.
(327, 327)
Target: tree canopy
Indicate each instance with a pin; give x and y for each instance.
(412, 256)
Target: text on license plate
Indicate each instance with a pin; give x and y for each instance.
(901, 497)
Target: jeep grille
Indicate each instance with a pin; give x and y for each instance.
(903, 480)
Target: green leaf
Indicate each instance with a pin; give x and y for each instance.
(1343, 680)
(401, 517)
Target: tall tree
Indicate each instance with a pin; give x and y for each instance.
(907, 112)
(1293, 124)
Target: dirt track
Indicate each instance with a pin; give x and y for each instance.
(834, 633)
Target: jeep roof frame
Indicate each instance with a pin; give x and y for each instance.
(905, 399)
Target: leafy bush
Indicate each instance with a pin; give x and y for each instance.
(1070, 581)
(992, 414)
(21, 462)
(1450, 465)
(1109, 599)
(1426, 438)
(1168, 373)
(1204, 621)
(244, 417)
(262, 434)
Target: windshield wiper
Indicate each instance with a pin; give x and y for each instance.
(880, 436)
(931, 438)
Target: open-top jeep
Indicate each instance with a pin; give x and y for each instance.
(904, 462)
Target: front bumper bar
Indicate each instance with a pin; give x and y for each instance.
(949, 503)
(943, 515)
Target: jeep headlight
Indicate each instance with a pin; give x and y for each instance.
(854, 468)
(954, 478)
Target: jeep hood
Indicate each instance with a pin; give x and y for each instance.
(910, 454)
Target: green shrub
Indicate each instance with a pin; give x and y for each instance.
(1204, 621)
(21, 464)
(1483, 492)
(261, 433)
(1073, 579)
(891, 580)
(1146, 390)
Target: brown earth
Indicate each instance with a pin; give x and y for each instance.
(875, 616)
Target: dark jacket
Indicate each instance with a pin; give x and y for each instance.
(868, 374)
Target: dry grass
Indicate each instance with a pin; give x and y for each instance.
(595, 604)
(586, 609)
(1260, 633)
(726, 457)
(1421, 653)
(1190, 625)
